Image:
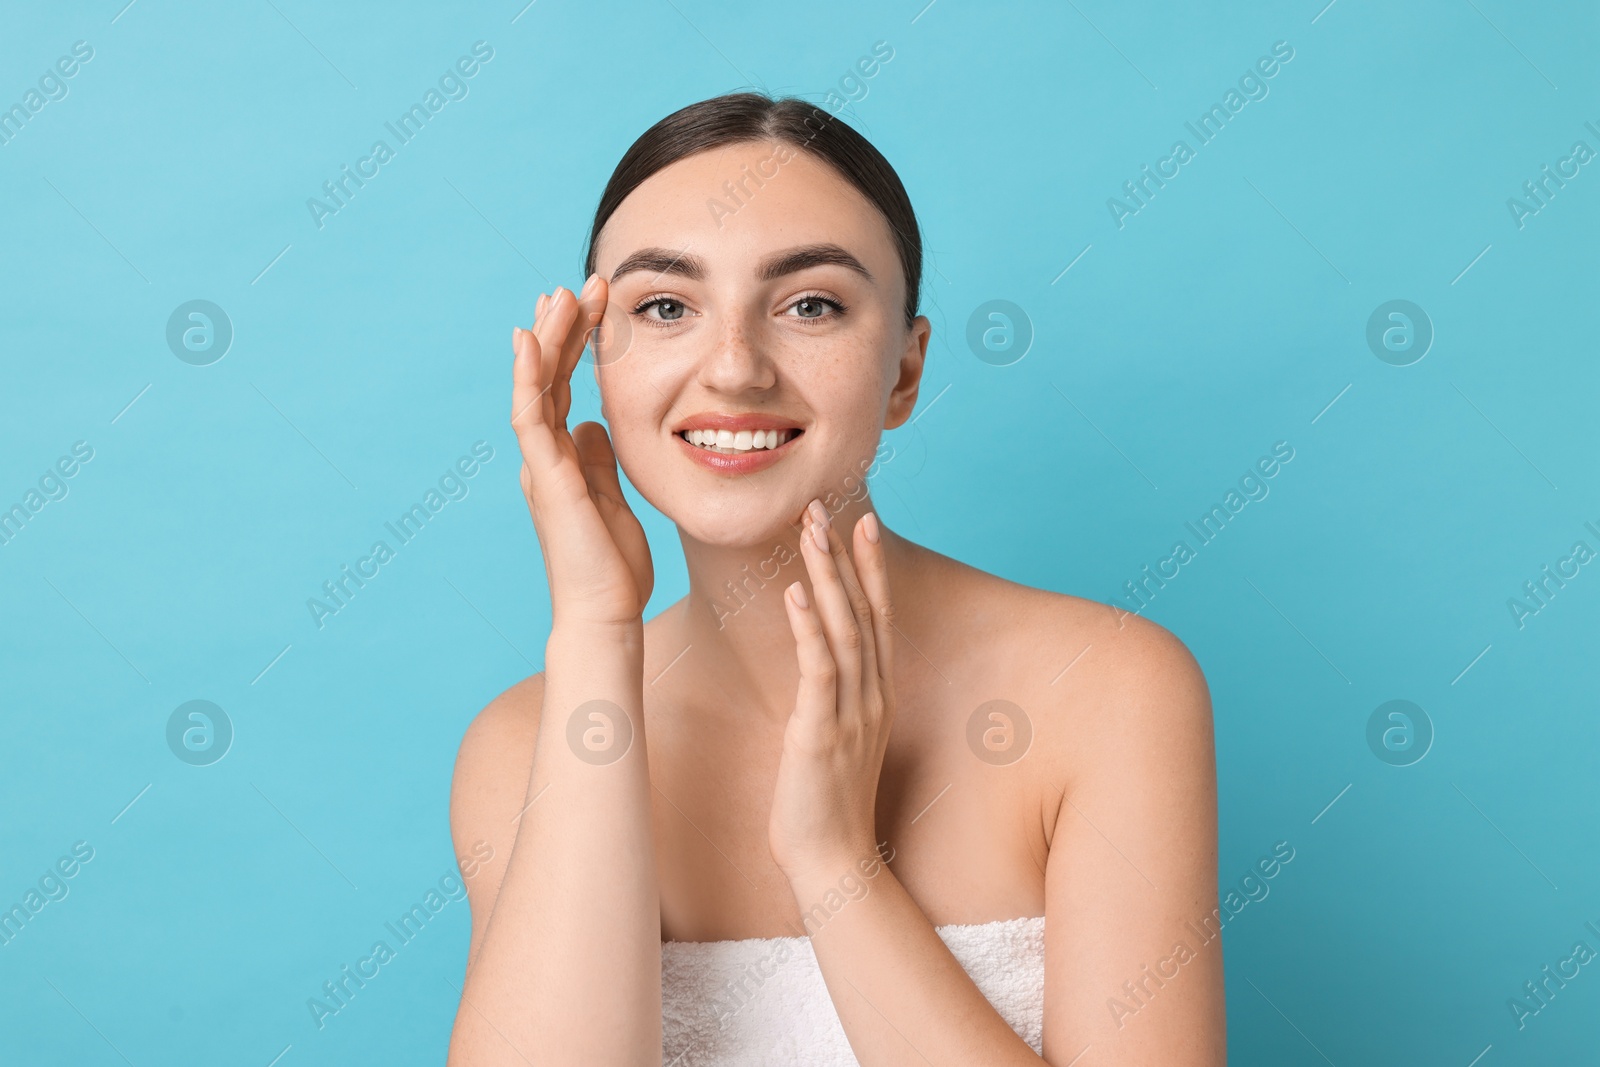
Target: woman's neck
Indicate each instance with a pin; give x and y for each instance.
(734, 618)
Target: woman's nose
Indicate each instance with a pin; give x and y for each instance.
(737, 361)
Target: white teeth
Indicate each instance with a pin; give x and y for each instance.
(729, 441)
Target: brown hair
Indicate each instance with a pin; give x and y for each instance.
(742, 117)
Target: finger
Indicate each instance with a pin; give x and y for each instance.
(534, 435)
(599, 461)
(860, 606)
(816, 700)
(599, 464)
(552, 328)
(584, 317)
(873, 569)
(591, 303)
(838, 620)
(591, 308)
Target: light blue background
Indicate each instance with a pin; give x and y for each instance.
(1226, 315)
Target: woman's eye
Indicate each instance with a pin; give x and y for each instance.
(668, 309)
(815, 307)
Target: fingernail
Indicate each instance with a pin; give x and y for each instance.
(800, 595)
(538, 309)
(588, 286)
(869, 523)
(819, 513)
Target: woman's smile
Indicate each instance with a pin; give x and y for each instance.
(737, 444)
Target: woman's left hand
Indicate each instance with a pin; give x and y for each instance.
(824, 804)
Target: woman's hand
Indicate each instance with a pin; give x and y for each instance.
(596, 559)
(825, 800)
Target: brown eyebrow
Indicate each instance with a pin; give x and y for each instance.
(798, 259)
(662, 261)
(665, 261)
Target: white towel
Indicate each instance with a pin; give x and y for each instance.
(763, 1001)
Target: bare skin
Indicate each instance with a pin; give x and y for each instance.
(823, 723)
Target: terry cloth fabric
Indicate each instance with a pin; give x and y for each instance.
(762, 1001)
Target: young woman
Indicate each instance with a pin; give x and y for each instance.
(849, 800)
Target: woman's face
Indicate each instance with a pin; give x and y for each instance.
(753, 291)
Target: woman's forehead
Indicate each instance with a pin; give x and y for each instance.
(732, 206)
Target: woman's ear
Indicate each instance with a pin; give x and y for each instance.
(903, 398)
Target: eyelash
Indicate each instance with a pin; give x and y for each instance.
(839, 307)
(650, 301)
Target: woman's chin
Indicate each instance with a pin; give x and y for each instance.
(757, 533)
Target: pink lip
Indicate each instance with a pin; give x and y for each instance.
(743, 463)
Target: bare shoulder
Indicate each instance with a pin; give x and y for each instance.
(1127, 721)
(490, 782)
(1122, 726)
(1104, 677)
(506, 725)
(1116, 646)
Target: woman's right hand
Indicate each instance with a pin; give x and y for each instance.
(596, 558)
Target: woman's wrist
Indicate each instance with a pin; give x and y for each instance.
(569, 632)
(586, 660)
(844, 870)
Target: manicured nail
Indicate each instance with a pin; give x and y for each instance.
(819, 513)
(538, 309)
(869, 524)
(799, 592)
(588, 286)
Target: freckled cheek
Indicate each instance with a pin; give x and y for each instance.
(850, 383)
(635, 414)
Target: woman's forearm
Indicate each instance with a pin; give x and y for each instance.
(569, 971)
(902, 997)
